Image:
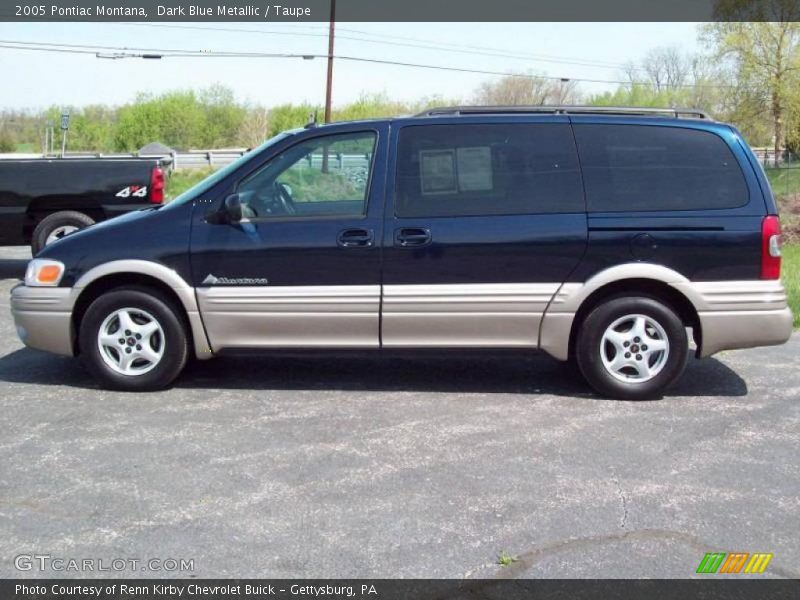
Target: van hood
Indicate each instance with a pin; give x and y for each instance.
(154, 234)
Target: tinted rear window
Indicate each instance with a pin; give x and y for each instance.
(498, 169)
(649, 168)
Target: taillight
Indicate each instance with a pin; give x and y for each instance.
(156, 185)
(771, 248)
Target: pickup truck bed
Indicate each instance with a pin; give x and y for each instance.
(42, 199)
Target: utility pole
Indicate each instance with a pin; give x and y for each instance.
(329, 86)
(328, 89)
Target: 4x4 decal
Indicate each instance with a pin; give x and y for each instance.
(138, 191)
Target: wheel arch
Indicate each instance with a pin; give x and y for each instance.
(127, 273)
(574, 301)
(652, 288)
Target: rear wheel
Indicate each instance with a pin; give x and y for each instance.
(56, 226)
(632, 348)
(133, 339)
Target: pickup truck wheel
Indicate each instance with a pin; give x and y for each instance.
(632, 348)
(132, 339)
(54, 227)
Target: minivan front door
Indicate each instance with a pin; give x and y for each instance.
(485, 221)
(302, 268)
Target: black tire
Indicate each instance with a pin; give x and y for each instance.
(174, 351)
(51, 223)
(589, 345)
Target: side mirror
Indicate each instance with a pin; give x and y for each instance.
(233, 208)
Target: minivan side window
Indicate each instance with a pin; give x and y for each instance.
(323, 176)
(655, 168)
(479, 169)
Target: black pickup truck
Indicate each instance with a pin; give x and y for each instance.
(44, 199)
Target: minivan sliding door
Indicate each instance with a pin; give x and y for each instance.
(484, 221)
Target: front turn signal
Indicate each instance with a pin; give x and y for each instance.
(44, 272)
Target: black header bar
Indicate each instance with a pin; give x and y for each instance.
(405, 589)
(400, 10)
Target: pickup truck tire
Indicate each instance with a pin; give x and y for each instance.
(56, 226)
(133, 339)
(632, 348)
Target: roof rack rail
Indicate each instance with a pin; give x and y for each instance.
(691, 113)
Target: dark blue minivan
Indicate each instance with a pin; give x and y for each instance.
(608, 236)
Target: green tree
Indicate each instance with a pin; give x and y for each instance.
(7, 142)
(369, 106)
(765, 55)
(254, 128)
(222, 115)
(289, 116)
(92, 128)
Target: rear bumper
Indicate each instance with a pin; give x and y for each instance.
(43, 318)
(728, 330)
(739, 314)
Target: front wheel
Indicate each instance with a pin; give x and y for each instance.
(632, 348)
(133, 339)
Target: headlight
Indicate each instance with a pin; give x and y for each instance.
(43, 272)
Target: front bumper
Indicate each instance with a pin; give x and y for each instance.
(43, 317)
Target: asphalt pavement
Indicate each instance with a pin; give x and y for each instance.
(427, 466)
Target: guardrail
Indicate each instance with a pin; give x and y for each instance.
(192, 159)
(199, 159)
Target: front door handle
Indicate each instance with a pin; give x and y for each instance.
(412, 237)
(355, 238)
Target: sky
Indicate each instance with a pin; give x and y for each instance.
(593, 51)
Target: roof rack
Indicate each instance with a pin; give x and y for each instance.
(678, 113)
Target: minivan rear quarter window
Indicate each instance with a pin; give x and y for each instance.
(657, 168)
(487, 169)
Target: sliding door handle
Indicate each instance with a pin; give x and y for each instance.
(412, 237)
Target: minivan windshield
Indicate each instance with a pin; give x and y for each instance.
(206, 184)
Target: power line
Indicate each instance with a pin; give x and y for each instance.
(174, 53)
(164, 52)
(64, 50)
(424, 44)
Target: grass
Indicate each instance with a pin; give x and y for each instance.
(181, 180)
(784, 181)
(790, 274)
(504, 559)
